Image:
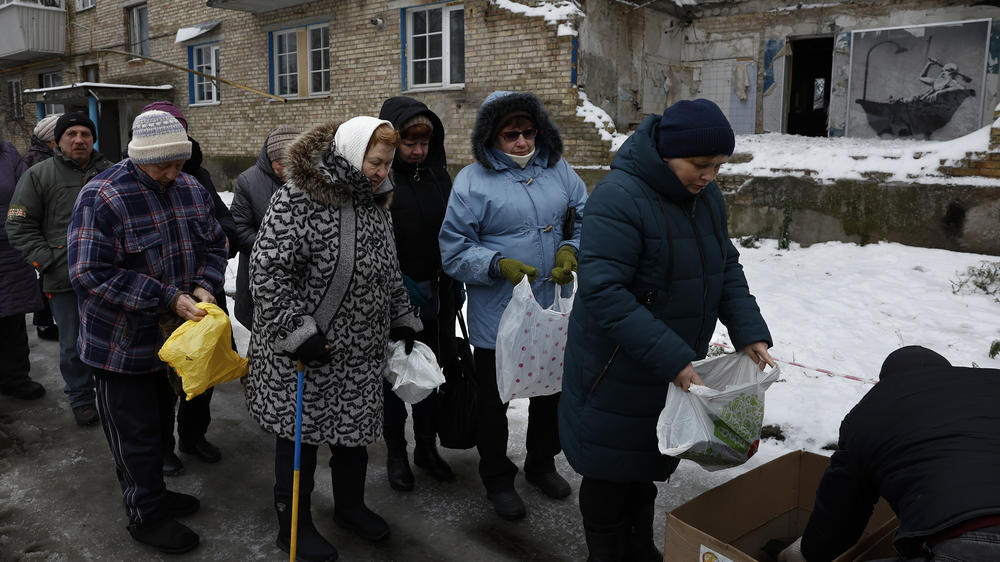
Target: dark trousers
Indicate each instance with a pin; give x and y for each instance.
(605, 504)
(350, 461)
(394, 411)
(78, 376)
(43, 316)
(136, 413)
(980, 544)
(542, 443)
(14, 364)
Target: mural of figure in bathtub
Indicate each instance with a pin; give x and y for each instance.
(922, 114)
(923, 82)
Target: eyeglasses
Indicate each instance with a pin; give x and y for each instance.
(511, 136)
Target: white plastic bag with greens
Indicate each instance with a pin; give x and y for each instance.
(413, 376)
(716, 425)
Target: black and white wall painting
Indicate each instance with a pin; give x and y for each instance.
(924, 82)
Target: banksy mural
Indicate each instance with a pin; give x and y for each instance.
(921, 81)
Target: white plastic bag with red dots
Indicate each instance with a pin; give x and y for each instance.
(531, 341)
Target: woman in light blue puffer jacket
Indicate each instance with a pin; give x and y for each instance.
(516, 211)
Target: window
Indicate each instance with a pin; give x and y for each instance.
(204, 58)
(138, 30)
(90, 72)
(51, 80)
(319, 59)
(82, 5)
(15, 103)
(304, 46)
(287, 63)
(434, 54)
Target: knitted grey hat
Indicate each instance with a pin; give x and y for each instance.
(419, 119)
(158, 137)
(45, 130)
(279, 141)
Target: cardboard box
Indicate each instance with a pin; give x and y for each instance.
(732, 522)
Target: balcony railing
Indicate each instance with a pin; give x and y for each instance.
(31, 30)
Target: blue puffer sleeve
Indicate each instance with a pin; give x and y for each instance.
(576, 190)
(611, 248)
(462, 255)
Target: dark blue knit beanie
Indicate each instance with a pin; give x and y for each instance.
(694, 128)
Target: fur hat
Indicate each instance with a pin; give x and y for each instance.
(352, 138)
(694, 128)
(45, 130)
(158, 137)
(169, 108)
(279, 140)
(67, 120)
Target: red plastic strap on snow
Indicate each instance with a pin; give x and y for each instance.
(826, 372)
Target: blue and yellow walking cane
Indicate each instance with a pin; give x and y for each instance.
(301, 368)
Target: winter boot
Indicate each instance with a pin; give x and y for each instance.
(349, 468)
(425, 455)
(165, 535)
(397, 466)
(607, 543)
(309, 544)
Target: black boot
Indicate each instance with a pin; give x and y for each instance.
(397, 466)
(425, 455)
(309, 544)
(165, 535)
(607, 543)
(348, 468)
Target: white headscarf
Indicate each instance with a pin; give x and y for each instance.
(352, 138)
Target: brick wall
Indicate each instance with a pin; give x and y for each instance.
(503, 51)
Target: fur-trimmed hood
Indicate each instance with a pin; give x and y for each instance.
(315, 167)
(498, 105)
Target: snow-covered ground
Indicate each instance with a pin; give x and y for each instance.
(840, 309)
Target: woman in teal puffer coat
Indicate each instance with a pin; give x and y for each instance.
(657, 269)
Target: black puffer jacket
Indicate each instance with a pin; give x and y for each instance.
(926, 439)
(421, 194)
(37, 152)
(254, 189)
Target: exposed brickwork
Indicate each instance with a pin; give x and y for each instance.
(503, 51)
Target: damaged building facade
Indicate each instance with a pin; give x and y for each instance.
(867, 68)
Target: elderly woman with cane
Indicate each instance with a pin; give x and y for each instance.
(327, 291)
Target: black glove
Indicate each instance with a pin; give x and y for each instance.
(314, 350)
(404, 333)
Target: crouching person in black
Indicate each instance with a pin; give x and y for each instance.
(925, 438)
(143, 244)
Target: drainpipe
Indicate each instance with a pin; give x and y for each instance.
(92, 107)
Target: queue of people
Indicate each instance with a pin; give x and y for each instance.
(352, 235)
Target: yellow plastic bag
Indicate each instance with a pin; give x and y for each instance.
(201, 352)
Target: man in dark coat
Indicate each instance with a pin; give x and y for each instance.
(40, 149)
(420, 173)
(657, 271)
(924, 438)
(194, 416)
(18, 292)
(36, 225)
(254, 189)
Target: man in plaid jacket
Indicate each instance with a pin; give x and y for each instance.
(144, 248)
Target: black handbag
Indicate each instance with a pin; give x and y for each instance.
(457, 397)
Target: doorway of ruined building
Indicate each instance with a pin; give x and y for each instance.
(809, 99)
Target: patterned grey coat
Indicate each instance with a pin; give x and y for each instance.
(324, 261)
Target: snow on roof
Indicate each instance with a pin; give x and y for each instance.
(554, 12)
(600, 118)
(827, 159)
(190, 32)
(97, 85)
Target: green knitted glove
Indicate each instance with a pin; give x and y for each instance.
(562, 273)
(514, 271)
